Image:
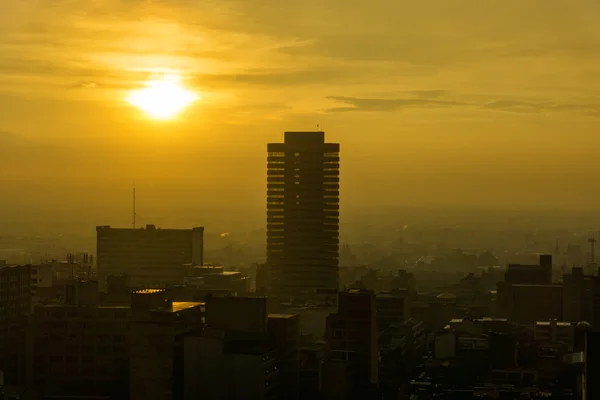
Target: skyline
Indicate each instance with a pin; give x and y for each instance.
(453, 102)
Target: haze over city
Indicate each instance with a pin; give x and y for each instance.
(462, 103)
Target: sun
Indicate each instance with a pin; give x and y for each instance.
(163, 98)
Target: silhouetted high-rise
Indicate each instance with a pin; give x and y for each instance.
(303, 214)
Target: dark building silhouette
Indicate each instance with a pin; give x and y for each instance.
(531, 274)
(527, 293)
(592, 365)
(152, 257)
(352, 368)
(157, 331)
(234, 356)
(578, 296)
(303, 214)
(15, 306)
(284, 333)
(81, 348)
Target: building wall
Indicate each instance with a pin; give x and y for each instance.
(157, 348)
(352, 337)
(445, 345)
(238, 314)
(213, 373)
(151, 256)
(284, 333)
(15, 306)
(81, 350)
(536, 303)
(303, 214)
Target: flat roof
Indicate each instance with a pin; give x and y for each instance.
(184, 305)
(149, 291)
(536, 285)
(282, 316)
(558, 323)
(83, 307)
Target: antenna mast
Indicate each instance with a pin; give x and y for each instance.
(133, 222)
(592, 241)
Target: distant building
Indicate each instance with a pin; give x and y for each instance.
(527, 293)
(352, 344)
(303, 214)
(15, 307)
(525, 303)
(392, 308)
(578, 296)
(263, 278)
(81, 348)
(531, 274)
(151, 256)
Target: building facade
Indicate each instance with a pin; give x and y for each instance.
(81, 351)
(157, 331)
(15, 307)
(151, 256)
(303, 214)
(352, 343)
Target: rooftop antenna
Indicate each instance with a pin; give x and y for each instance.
(133, 222)
(592, 241)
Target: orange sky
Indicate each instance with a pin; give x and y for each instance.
(462, 101)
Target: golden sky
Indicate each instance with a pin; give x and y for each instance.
(458, 101)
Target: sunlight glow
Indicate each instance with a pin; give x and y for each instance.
(162, 98)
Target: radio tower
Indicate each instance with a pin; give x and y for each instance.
(593, 241)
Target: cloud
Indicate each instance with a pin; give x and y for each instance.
(428, 94)
(431, 99)
(274, 77)
(380, 104)
(515, 106)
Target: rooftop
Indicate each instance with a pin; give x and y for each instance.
(149, 291)
(548, 323)
(184, 305)
(283, 316)
(227, 273)
(536, 285)
(69, 306)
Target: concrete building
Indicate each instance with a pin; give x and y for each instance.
(578, 296)
(284, 334)
(15, 307)
(157, 332)
(263, 279)
(352, 339)
(531, 274)
(526, 303)
(217, 367)
(311, 358)
(303, 214)
(554, 332)
(392, 307)
(236, 355)
(81, 348)
(527, 294)
(151, 256)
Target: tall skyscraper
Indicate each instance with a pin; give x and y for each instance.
(303, 214)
